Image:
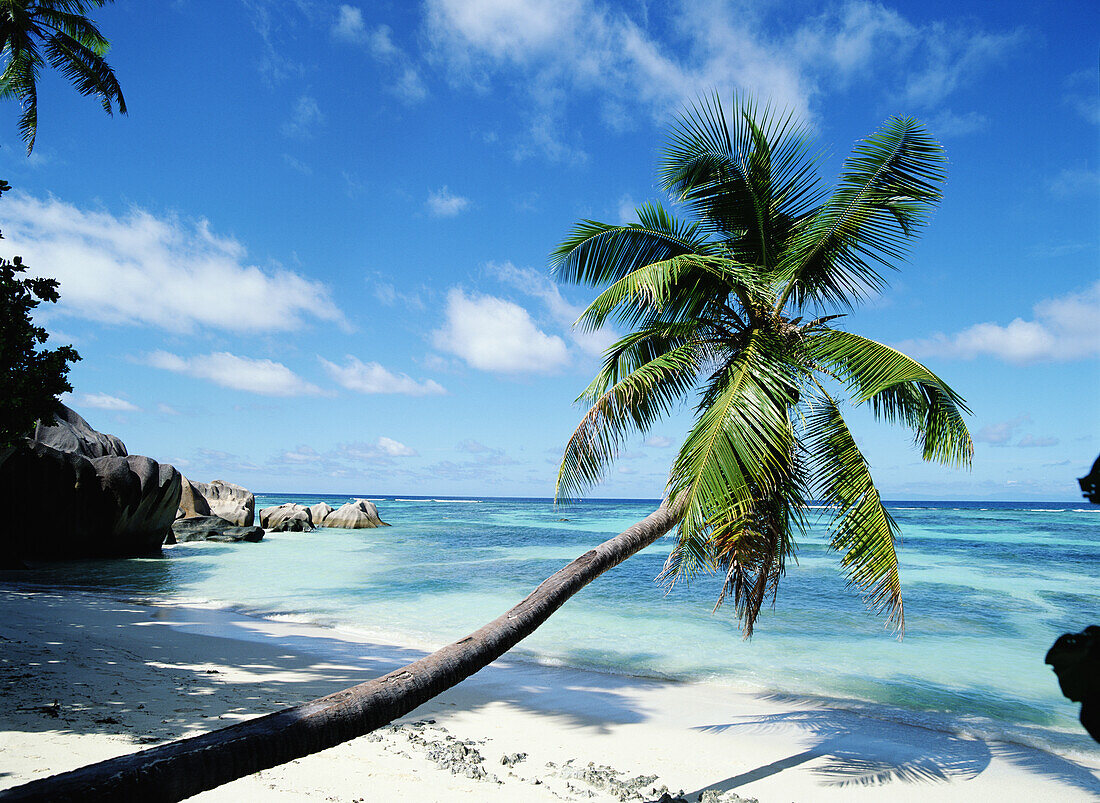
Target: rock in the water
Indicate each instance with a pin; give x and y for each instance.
(71, 433)
(213, 528)
(318, 512)
(355, 515)
(61, 505)
(298, 523)
(192, 500)
(232, 502)
(272, 517)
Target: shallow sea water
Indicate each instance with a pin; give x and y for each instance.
(987, 589)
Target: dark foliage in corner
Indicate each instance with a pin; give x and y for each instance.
(32, 378)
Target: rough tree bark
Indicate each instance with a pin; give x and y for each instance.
(186, 767)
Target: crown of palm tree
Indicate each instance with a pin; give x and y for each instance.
(72, 45)
(730, 307)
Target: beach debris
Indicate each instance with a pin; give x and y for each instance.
(609, 779)
(513, 759)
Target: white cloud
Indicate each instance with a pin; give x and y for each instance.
(1063, 329)
(492, 334)
(537, 285)
(141, 269)
(651, 61)
(167, 409)
(395, 448)
(659, 441)
(372, 377)
(101, 401)
(1001, 433)
(266, 377)
(349, 24)
(305, 119)
(444, 203)
(406, 82)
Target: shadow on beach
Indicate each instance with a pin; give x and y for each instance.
(853, 749)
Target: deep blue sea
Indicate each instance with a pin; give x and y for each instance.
(987, 586)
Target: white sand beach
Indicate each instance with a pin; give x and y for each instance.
(86, 677)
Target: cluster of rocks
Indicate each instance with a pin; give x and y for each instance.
(357, 515)
(71, 492)
(215, 511)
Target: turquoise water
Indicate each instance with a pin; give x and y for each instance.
(987, 588)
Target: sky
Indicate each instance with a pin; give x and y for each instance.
(313, 257)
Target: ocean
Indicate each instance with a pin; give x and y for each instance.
(987, 586)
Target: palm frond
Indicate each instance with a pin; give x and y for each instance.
(747, 178)
(741, 443)
(630, 405)
(863, 530)
(675, 284)
(597, 254)
(900, 390)
(886, 192)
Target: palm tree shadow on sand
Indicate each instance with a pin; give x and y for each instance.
(857, 750)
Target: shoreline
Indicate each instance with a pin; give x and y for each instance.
(1071, 744)
(689, 735)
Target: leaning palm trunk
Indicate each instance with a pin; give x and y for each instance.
(186, 767)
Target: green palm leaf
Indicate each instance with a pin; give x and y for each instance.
(900, 390)
(863, 530)
(741, 444)
(598, 253)
(670, 286)
(886, 192)
(629, 406)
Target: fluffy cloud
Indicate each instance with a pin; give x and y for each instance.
(659, 441)
(372, 377)
(1063, 329)
(444, 203)
(550, 49)
(265, 377)
(141, 269)
(395, 448)
(536, 284)
(101, 401)
(492, 334)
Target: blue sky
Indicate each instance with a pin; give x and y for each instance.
(313, 257)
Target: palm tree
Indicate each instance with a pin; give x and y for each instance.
(710, 300)
(731, 307)
(72, 45)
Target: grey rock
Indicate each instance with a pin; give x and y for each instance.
(62, 505)
(213, 528)
(232, 502)
(298, 523)
(318, 513)
(71, 433)
(272, 517)
(192, 500)
(356, 515)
